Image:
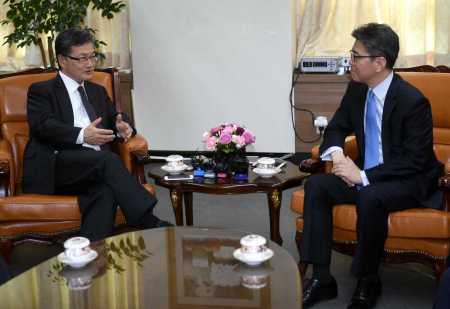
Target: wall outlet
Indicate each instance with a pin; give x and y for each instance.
(320, 123)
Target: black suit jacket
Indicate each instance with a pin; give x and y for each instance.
(50, 118)
(406, 134)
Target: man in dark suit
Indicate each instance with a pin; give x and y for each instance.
(396, 168)
(72, 123)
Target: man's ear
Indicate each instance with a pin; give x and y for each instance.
(61, 61)
(380, 63)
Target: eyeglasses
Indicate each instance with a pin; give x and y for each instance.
(84, 59)
(355, 56)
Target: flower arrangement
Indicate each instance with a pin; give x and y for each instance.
(228, 138)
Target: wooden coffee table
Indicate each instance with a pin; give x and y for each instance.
(290, 177)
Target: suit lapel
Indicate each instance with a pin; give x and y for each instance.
(64, 100)
(389, 101)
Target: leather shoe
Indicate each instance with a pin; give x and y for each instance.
(162, 223)
(366, 293)
(315, 291)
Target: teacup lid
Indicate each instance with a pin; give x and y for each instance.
(174, 158)
(266, 160)
(253, 240)
(76, 243)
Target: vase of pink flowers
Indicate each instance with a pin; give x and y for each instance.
(228, 142)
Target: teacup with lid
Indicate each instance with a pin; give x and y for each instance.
(266, 163)
(77, 248)
(175, 161)
(253, 244)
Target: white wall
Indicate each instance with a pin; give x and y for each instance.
(199, 63)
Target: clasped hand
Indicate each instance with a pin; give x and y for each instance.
(98, 136)
(346, 169)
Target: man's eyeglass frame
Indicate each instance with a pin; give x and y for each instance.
(354, 56)
(84, 59)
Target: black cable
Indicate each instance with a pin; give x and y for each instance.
(293, 107)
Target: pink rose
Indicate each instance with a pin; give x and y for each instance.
(211, 143)
(227, 130)
(215, 130)
(206, 135)
(225, 139)
(249, 137)
(239, 141)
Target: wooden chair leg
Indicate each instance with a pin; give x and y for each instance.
(6, 247)
(302, 267)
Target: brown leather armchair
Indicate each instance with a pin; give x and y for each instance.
(415, 235)
(34, 217)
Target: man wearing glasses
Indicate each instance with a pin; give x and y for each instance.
(396, 167)
(72, 123)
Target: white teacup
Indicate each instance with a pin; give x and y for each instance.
(76, 248)
(253, 243)
(174, 161)
(266, 163)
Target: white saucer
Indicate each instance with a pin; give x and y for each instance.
(80, 262)
(266, 173)
(253, 259)
(174, 170)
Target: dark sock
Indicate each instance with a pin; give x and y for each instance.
(322, 273)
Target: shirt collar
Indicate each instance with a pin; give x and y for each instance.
(382, 88)
(71, 84)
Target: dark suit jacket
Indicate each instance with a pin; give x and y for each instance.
(50, 117)
(406, 134)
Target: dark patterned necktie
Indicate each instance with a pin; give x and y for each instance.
(87, 106)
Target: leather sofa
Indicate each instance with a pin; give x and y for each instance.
(415, 235)
(34, 217)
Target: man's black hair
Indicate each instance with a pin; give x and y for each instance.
(379, 40)
(72, 37)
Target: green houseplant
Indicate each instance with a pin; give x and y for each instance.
(34, 19)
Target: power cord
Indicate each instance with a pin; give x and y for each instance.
(292, 106)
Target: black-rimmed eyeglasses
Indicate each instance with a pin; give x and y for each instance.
(355, 56)
(84, 59)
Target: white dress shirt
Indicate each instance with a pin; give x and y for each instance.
(80, 116)
(380, 92)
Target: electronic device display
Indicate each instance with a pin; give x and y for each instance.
(178, 177)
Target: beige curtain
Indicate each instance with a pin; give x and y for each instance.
(324, 27)
(114, 32)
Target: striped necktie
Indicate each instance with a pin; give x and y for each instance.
(371, 133)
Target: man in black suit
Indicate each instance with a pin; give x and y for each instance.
(72, 123)
(396, 168)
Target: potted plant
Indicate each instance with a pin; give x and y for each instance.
(33, 19)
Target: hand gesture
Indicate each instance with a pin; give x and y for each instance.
(123, 128)
(96, 136)
(348, 171)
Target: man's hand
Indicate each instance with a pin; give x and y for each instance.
(348, 171)
(123, 128)
(96, 136)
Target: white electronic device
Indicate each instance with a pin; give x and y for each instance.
(324, 64)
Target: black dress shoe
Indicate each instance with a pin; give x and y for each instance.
(162, 223)
(315, 291)
(150, 221)
(366, 293)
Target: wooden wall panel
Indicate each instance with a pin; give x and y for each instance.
(320, 93)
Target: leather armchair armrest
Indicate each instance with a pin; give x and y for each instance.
(136, 145)
(132, 152)
(311, 166)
